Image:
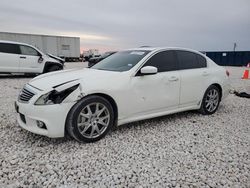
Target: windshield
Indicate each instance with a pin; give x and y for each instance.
(121, 61)
(105, 55)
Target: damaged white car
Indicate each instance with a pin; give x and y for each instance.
(16, 57)
(128, 86)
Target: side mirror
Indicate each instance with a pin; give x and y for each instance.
(40, 59)
(148, 70)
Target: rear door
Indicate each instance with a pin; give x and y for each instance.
(29, 60)
(193, 73)
(9, 57)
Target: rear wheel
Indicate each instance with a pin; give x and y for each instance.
(90, 119)
(211, 100)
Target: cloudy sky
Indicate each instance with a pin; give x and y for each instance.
(118, 24)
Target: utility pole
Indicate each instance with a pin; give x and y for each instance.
(235, 45)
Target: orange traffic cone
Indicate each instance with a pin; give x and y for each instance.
(246, 72)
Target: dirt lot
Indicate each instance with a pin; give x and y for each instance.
(181, 150)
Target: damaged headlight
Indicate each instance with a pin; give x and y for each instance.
(55, 97)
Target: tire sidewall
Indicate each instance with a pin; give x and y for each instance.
(75, 111)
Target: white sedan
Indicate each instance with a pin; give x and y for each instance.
(128, 86)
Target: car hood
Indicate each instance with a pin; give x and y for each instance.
(56, 58)
(51, 80)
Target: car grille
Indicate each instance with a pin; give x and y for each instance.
(25, 95)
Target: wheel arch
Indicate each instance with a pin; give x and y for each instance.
(110, 100)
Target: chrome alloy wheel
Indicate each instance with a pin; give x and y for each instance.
(93, 120)
(212, 100)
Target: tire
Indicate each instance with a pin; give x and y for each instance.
(54, 68)
(210, 101)
(30, 74)
(89, 115)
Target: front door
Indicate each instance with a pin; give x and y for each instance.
(29, 60)
(158, 92)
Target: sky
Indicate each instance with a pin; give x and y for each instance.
(205, 25)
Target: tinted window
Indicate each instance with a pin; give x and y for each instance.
(164, 61)
(121, 61)
(26, 50)
(190, 60)
(9, 48)
(201, 61)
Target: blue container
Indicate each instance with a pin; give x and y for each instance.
(230, 58)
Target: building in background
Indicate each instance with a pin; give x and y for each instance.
(230, 58)
(62, 46)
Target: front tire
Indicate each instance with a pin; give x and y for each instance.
(210, 101)
(90, 119)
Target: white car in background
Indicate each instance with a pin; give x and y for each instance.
(23, 58)
(128, 86)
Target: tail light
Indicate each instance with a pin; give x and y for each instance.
(227, 73)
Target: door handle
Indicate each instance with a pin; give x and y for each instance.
(205, 73)
(22, 57)
(173, 78)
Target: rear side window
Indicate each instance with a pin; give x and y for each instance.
(26, 50)
(202, 62)
(9, 48)
(190, 60)
(163, 61)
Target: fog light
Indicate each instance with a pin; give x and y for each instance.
(40, 124)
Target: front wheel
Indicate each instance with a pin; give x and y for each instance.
(210, 101)
(90, 119)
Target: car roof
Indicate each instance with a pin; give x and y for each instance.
(161, 48)
(20, 43)
(155, 49)
(13, 42)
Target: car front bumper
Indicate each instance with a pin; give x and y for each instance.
(53, 117)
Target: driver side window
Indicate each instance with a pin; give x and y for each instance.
(163, 61)
(26, 50)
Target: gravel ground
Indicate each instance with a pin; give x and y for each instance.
(181, 150)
